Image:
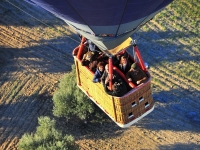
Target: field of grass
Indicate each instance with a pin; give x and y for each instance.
(176, 32)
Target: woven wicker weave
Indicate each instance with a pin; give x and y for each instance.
(122, 110)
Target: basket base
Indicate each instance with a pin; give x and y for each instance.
(135, 120)
(119, 124)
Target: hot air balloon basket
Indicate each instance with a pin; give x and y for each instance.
(122, 110)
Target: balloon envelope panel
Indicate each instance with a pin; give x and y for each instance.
(104, 19)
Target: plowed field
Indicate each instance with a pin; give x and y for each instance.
(35, 52)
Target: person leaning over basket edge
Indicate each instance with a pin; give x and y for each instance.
(99, 72)
(136, 75)
(118, 88)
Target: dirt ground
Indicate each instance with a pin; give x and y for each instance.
(35, 52)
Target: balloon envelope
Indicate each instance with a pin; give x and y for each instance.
(107, 23)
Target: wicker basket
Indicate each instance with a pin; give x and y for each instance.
(123, 110)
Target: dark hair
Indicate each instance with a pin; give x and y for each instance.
(117, 87)
(100, 64)
(123, 57)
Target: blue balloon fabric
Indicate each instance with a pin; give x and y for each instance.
(107, 23)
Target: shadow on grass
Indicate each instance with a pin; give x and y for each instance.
(157, 47)
(175, 110)
(181, 146)
(47, 58)
(94, 129)
(20, 117)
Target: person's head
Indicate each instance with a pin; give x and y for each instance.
(123, 60)
(100, 66)
(89, 56)
(133, 66)
(117, 87)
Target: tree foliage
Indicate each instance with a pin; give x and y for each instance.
(46, 138)
(69, 100)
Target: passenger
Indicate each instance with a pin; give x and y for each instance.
(124, 53)
(124, 65)
(94, 62)
(118, 88)
(92, 46)
(116, 60)
(91, 56)
(93, 65)
(99, 72)
(136, 75)
(87, 58)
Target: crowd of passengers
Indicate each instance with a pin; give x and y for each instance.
(98, 63)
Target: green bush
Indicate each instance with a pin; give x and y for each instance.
(69, 100)
(47, 138)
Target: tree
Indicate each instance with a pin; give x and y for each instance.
(69, 100)
(47, 137)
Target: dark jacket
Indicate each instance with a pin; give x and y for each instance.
(135, 75)
(120, 90)
(127, 68)
(115, 78)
